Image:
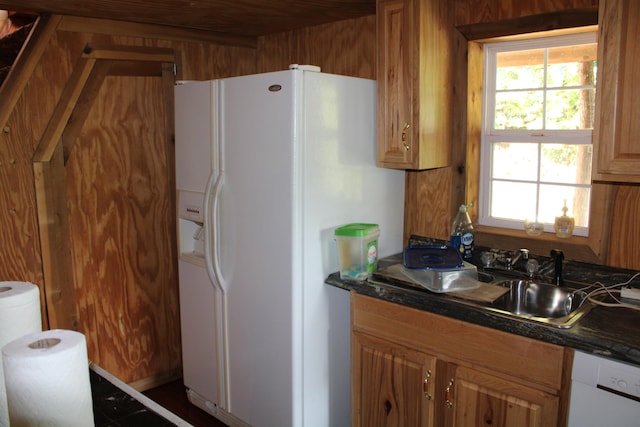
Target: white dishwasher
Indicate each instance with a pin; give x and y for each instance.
(604, 392)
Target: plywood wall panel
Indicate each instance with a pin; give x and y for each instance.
(125, 269)
(345, 47)
(19, 242)
(624, 250)
(428, 203)
(121, 223)
(201, 61)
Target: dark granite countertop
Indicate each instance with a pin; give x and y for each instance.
(606, 331)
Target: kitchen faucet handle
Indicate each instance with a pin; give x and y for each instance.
(532, 267)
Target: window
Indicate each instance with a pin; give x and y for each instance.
(538, 113)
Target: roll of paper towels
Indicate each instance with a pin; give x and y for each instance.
(19, 316)
(47, 380)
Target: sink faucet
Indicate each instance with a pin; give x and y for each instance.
(510, 262)
(557, 256)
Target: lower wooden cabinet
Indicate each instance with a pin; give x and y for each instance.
(395, 386)
(415, 368)
(479, 399)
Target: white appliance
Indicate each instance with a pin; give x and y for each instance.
(267, 166)
(604, 392)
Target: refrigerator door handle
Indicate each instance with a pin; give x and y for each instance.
(212, 258)
(212, 195)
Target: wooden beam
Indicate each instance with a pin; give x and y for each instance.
(49, 160)
(83, 105)
(135, 68)
(531, 24)
(25, 63)
(68, 100)
(51, 204)
(129, 53)
(162, 32)
(53, 221)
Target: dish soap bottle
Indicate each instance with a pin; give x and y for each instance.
(462, 233)
(564, 224)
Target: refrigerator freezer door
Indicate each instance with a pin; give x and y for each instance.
(194, 134)
(197, 298)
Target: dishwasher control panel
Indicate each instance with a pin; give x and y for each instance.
(606, 374)
(615, 377)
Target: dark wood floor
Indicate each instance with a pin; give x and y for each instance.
(174, 397)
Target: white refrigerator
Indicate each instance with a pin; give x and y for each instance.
(267, 166)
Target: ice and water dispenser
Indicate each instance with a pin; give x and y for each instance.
(191, 232)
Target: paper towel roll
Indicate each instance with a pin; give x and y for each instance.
(19, 316)
(47, 380)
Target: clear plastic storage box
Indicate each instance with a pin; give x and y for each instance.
(357, 250)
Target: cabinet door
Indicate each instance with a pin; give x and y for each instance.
(391, 385)
(396, 146)
(479, 399)
(617, 133)
(415, 90)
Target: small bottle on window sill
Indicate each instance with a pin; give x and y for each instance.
(564, 224)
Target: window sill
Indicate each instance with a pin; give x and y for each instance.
(575, 248)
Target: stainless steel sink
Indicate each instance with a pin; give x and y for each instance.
(549, 304)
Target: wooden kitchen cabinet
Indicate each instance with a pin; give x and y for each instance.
(414, 83)
(617, 128)
(411, 367)
(396, 387)
(479, 399)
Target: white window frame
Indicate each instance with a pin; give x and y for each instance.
(490, 135)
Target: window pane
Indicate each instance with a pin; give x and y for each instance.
(570, 109)
(522, 69)
(537, 150)
(572, 65)
(519, 110)
(510, 200)
(566, 163)
(515, 161)
(552, 199)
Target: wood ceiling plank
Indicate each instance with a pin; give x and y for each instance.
(241, 18)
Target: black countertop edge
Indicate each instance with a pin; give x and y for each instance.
(116, 404)
(604, 331)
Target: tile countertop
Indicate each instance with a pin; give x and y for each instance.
(605, 331)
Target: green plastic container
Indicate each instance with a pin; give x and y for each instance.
(357, 250)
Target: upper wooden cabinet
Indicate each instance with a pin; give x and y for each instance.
(617, 128)
(415, 89)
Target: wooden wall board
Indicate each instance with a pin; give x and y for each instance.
(122, 224)
(428, 203)
(345, 47)
(624, 250)
(154, 335)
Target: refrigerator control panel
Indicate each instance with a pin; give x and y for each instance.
(191, 206)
